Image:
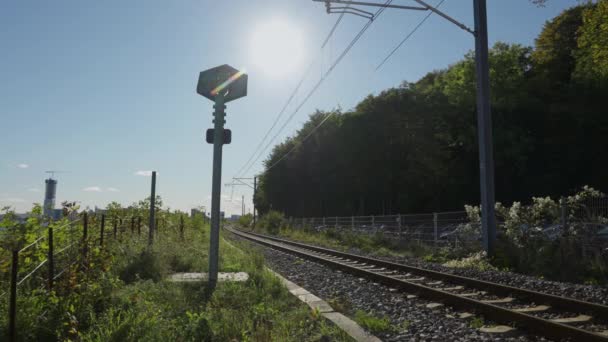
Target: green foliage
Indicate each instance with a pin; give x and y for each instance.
(372, 323)
(120, 292)
(272, 222)
(414, 148)
(246, 220)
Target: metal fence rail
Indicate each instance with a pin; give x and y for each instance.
(432, 227)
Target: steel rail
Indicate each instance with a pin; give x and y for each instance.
(565, 303)
(493, 312)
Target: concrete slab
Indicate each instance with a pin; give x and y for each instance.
(571, 320)
(195, 277)
(434, 305)
(538, 308)
(498, 301)
(308, 298)
(497, 329)
(350, 327)
(346, 324)
(320, 306)
(299, 291)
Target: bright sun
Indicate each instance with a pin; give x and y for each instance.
(277, 48)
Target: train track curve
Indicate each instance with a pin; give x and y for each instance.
(497, 302)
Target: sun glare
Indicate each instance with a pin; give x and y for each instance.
(276, 48)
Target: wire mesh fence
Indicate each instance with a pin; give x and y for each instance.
(585, 219)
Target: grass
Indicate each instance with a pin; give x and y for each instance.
(373, 323)
(125, 297)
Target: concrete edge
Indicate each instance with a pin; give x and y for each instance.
(349, 326)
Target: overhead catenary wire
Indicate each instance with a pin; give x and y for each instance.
(407, 37)
(298, 144)
(290, 99)
(320, 81)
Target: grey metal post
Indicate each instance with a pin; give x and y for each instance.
(563, 211)
(218, 141)
(484, 127)
(255, 179)
(324, 220)
(352, 222)
(399, 221)
(436, 237)
(152, 209)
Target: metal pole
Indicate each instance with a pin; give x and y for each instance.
(243, 205)
(218, 140)
(51, 261)
(12, 311)
(484, 127)
(435, 235)
(255, 186)
(181, 226)
(152, 209)
(103, 225)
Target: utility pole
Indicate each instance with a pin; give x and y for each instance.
(484, 117)
(152, 210)
(242, 205)
(221, 85)
(255, 187)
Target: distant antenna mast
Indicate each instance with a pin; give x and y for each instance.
(53, 172)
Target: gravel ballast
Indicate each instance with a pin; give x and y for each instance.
(410, 318)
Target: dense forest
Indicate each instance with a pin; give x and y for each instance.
(413, 148)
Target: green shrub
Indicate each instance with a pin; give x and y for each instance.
(272, 222)
(144, 266)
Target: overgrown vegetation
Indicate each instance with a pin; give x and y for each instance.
(121, 292)
(547, 238)
(414, 148)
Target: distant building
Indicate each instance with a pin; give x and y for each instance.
(50, 192)
(235, 217)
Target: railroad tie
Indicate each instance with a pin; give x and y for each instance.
(538, 308)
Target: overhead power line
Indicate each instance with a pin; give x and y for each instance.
(289, 100)
(298, 144)
(407, 37)
(319, 82)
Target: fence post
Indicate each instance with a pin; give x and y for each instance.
(436, 237)
(563, 212)
(399, 222)
(101, 228)
(50, 259)
(181, 226)
(12, 311)
(374, 224)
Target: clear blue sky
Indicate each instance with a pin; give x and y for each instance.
(104, 89)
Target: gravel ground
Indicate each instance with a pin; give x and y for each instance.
(591, 293)
(411, 319)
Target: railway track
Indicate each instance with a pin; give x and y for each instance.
(555, 317)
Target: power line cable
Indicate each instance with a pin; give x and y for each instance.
(408, 36)
(291, 97)
(298, 144)
(318, 84)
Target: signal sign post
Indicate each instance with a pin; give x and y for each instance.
(220, 85)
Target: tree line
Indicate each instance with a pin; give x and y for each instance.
(413, 148)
